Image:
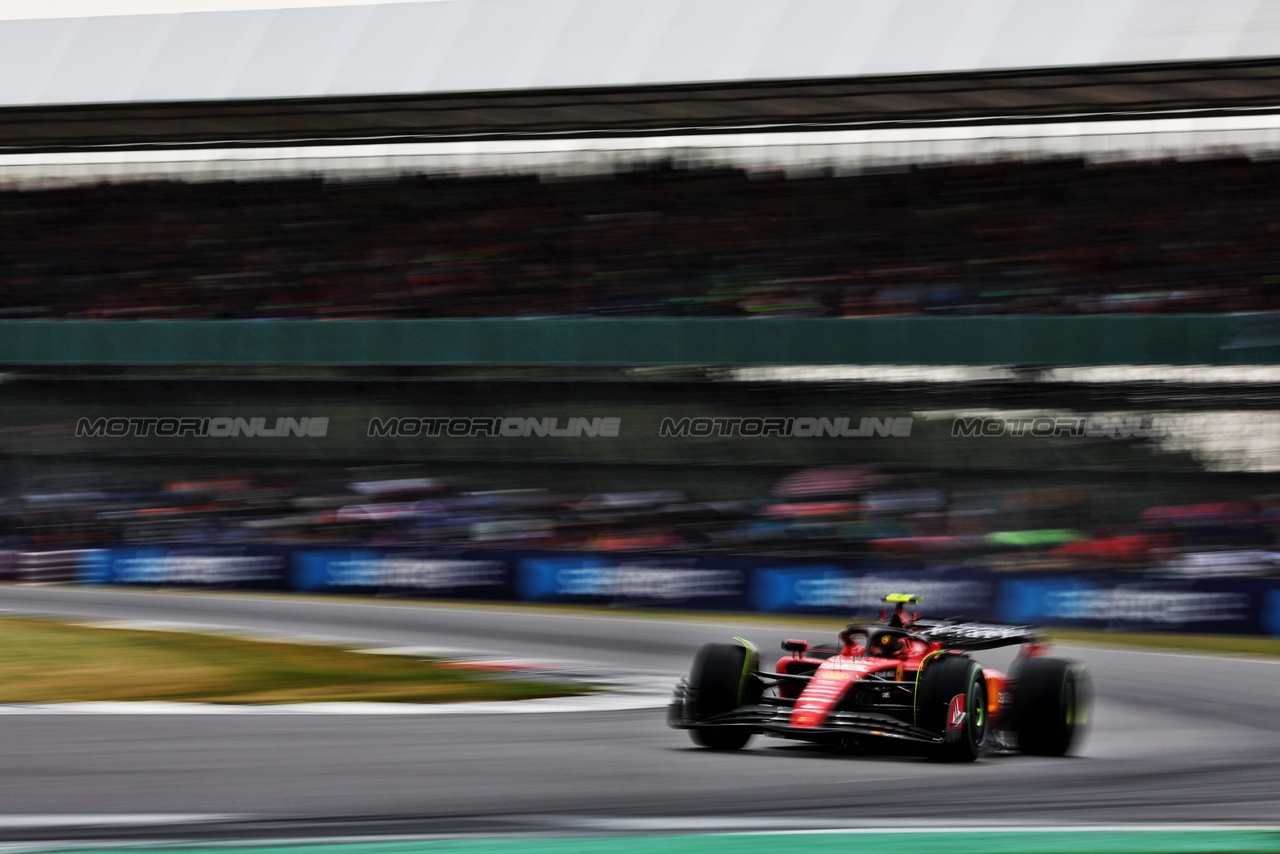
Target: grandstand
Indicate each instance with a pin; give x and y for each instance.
(469, 215)
(1042, 237)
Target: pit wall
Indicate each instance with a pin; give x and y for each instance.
(1214, 339)
(1245, 606)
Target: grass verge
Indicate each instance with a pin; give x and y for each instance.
(1206, 644)
(738, 621)
(44, 661)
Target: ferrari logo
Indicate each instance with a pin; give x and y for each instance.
(955, 713)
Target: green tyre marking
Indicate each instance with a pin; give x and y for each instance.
(1076, 714)
(915, 695)
(748, 664)
(979, 686)
(1068, 699)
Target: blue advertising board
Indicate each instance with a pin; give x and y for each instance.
(1271, 611)
(860, 590)
(407, 571)
(1119, 602)
(259, 567)
(1136, 603)
(636, 580)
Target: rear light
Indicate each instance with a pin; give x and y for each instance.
(995, 690)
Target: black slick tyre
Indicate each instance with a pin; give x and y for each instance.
(1050, 705)
(944, 678)
(722, 680)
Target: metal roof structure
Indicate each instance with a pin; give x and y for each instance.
(452, 69)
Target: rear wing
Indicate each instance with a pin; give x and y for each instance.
(964, 635)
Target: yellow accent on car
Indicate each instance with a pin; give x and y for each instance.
(915, 694)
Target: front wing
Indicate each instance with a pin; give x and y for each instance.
(774, 718)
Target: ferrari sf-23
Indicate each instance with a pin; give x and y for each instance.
(902, 681)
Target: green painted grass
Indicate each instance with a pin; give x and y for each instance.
(1240, 841)
(44, 661)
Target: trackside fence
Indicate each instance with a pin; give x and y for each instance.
(1247, 606)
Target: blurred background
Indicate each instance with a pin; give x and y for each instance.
(689, 318)
(895, 308)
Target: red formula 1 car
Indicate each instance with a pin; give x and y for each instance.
(901, 681)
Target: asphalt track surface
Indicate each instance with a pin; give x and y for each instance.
(1175, 738)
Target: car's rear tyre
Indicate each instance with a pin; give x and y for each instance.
(721, 680)
(942, 680)
(1051, 699)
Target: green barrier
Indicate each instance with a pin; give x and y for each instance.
(1172, 340)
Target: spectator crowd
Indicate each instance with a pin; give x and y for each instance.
(841, 511)
(1044, 237)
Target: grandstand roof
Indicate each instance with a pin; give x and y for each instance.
(244, 71)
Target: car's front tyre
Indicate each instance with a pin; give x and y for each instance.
(722, 679)
(943, 679)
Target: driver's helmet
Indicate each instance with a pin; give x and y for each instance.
(884, 644)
